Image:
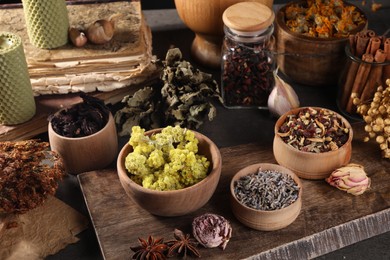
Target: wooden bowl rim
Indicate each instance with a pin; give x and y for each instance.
(110, 121)
(282, 118)
(282, 24)
(215, 167)
(266, 166)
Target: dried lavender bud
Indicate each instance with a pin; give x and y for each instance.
(266, 190)
(212, 230)
(82, 119)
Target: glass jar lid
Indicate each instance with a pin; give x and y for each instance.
(248, 17)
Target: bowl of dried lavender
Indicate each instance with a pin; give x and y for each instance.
(84, 135)
(312, 141)
(266, 196)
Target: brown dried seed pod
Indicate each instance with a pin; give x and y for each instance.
(101, 31)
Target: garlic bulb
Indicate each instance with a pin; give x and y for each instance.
(282, 98)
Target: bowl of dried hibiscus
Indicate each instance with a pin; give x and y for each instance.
(84, 135)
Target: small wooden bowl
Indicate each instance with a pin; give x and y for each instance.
(310, 165)
(82, 154)
(176, 202)
(308, 60)
(262, 219)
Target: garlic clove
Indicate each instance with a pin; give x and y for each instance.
(101, 31)
(282, 98)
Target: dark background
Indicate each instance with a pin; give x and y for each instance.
(146, 4)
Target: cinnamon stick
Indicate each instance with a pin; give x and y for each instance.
(374, 77)
(347, 88)
(352, 44)
(360, 80)
(361, 44)
(373, 45)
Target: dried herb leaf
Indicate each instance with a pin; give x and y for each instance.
(182, 97)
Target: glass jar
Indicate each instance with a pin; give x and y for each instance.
(359, 79)
(248, 64)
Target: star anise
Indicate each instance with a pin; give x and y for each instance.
(183, 245)
(150, 249)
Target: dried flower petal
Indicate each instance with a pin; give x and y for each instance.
(212, 230)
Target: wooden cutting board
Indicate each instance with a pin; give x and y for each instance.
(330, 219)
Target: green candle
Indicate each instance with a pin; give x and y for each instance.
(17, 103)
(47, 22)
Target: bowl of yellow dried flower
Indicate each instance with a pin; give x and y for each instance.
(169, 171)
(311, 37)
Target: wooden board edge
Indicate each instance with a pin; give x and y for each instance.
(332, 239)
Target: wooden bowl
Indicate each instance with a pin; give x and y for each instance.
(204, 18)
(309, 165)
(262, 219)
(308, 60)
(82, 154)
(175, 202)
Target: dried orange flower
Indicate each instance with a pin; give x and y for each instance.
(323, 18)
(29, 172)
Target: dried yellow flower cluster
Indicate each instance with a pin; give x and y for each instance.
(167, 160)
(377, 118)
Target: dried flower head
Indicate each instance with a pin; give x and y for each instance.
(212, 230)
(29, 172)
(351, 178)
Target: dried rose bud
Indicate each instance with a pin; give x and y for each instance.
(351, 178)
(212, 230)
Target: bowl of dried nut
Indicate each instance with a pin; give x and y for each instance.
(312, 141)
(266, 196)
(169, 171)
